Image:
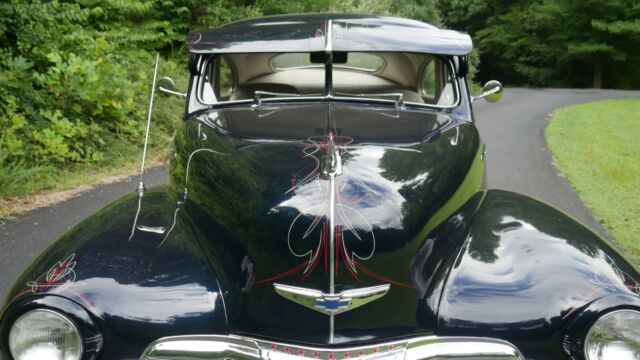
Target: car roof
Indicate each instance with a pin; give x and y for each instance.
(328, 32)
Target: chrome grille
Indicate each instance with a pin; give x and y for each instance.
(215, 347)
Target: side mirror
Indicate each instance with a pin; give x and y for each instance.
(492, 91)
(167, 85)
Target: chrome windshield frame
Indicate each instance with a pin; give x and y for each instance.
(328, 96)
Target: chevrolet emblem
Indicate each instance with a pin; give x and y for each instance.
(331, 304)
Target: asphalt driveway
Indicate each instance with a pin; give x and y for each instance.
(517, 160)
(517, 154)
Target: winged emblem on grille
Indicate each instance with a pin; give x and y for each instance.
(331, 304)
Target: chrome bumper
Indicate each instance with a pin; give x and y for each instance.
(232, 347)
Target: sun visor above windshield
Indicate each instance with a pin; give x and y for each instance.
(320, 32)
(357, 35)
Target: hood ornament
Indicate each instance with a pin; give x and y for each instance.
(332, 163)
(331, 304)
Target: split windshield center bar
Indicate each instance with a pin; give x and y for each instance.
(328, 57)
(328, 62)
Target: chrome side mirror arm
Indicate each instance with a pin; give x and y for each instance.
(492, 91)
(167, 85)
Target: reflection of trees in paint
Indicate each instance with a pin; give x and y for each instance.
(238, 191)
(431, 176)
(511, 216)
(354, 235)
(383, 192)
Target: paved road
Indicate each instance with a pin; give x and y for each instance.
(23, 239)
(517, 160)
(517, 154)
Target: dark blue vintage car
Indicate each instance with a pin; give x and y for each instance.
(326, 201)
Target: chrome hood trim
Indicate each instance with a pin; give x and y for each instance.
(241, 348)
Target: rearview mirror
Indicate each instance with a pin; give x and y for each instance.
(492, 91)
(167, 85)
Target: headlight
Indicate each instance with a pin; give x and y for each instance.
(616, 335)
(44, 334)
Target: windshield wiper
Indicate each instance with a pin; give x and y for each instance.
(259, 94)
(397, 97)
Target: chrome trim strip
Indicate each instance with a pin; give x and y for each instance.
(334, 169)
(461, 348)
(241, 348)
(202, 347)
(320, 98)
(332, 233)
(332, 251)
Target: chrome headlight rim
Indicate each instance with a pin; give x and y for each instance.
(580, 321)
(86, 321)
(59, 316)
(601, 318)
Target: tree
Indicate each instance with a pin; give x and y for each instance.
(553, 42)
(423, 10)
(601, 36)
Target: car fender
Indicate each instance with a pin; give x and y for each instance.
(525, 271)
(138, 269)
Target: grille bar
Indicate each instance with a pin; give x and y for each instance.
(219, 347)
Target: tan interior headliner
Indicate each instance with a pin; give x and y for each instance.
(399, 68)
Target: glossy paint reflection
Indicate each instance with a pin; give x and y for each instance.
(153, 304)
(395, 175)
(133, 288)
(526, 271)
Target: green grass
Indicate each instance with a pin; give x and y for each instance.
(19, 182)
(19, 179)
(597, 147)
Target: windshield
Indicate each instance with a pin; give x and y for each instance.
(418, 79)
(355, 61)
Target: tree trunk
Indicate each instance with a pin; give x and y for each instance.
(597, 73)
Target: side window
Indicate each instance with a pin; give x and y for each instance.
(437, 85)
(219, 81)
(226, 78)
(207, 93)
(429, 81)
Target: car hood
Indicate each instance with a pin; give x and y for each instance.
(286, 183)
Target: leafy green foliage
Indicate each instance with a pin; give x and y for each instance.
(75, 75)
(575, 43)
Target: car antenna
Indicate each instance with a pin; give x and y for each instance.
(141, 187)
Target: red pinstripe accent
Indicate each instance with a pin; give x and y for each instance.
(313, 267)
(57, 273)
(284, 274)
(346, 257)
(380, 277)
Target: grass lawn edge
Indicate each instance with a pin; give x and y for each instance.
(592, 145)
